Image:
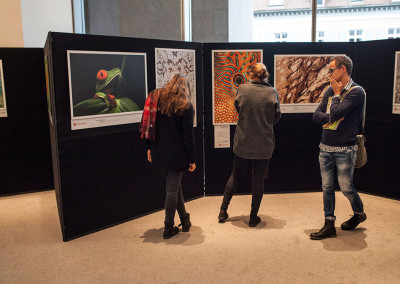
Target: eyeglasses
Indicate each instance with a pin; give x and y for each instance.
(333, 69)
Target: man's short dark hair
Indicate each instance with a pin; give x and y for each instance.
(343, 61)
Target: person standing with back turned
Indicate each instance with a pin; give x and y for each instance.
(167, 126)
(258, 106)
(340, 112)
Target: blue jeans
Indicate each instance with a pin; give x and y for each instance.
(344, 162)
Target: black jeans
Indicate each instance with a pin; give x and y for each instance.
(240, 166)
(174, 197)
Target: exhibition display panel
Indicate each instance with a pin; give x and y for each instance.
(98, 88)
(25, 144)
(294, 166)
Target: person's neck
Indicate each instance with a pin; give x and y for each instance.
(345, 80)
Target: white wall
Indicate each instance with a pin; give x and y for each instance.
(41, 16)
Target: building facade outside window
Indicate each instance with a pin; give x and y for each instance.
(274, 3)
(393, 33)
(334, 17)
(320, 36)
(355, 35)
(281, 37)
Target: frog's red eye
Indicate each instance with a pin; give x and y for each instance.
(102, 75)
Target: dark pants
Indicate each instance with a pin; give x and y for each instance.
(240, 166)
(174, 197)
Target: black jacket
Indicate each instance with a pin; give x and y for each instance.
(173, 147)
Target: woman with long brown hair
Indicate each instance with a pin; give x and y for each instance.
(170, 144)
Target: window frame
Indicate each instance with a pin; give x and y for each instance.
(355, 37)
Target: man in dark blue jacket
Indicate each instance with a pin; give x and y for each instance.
(340, 113)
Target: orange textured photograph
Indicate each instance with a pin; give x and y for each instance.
(231, 68)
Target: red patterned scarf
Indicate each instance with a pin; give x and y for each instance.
(148, 124)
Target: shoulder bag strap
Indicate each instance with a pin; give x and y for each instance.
(365, 106)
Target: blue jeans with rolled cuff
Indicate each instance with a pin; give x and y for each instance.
(344, 163)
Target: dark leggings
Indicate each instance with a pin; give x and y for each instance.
(240, 166)
(174, 197)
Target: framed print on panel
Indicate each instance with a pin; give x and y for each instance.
(172, 61)
(396, 85)
(106, 88)
(301, 81)
(231, 68)
(3, 105)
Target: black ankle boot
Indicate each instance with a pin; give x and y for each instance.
(254, 220)
(327, 231)
(170, 231)
(354, 221)
(186, 224)
(223, 215)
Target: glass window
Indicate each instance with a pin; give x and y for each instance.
(281, 37)
(355, 35)
(393, 33)
(320, 36)
(320, 2)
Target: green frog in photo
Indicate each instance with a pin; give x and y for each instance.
(108, 98)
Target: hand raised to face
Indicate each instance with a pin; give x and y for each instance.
(337, 87)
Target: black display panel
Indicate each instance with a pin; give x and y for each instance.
(375, 71)
(25, 143)
(294, 166)
(102, 174)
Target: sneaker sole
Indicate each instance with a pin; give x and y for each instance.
(318, 239)
(350, 229)
(168, 237)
